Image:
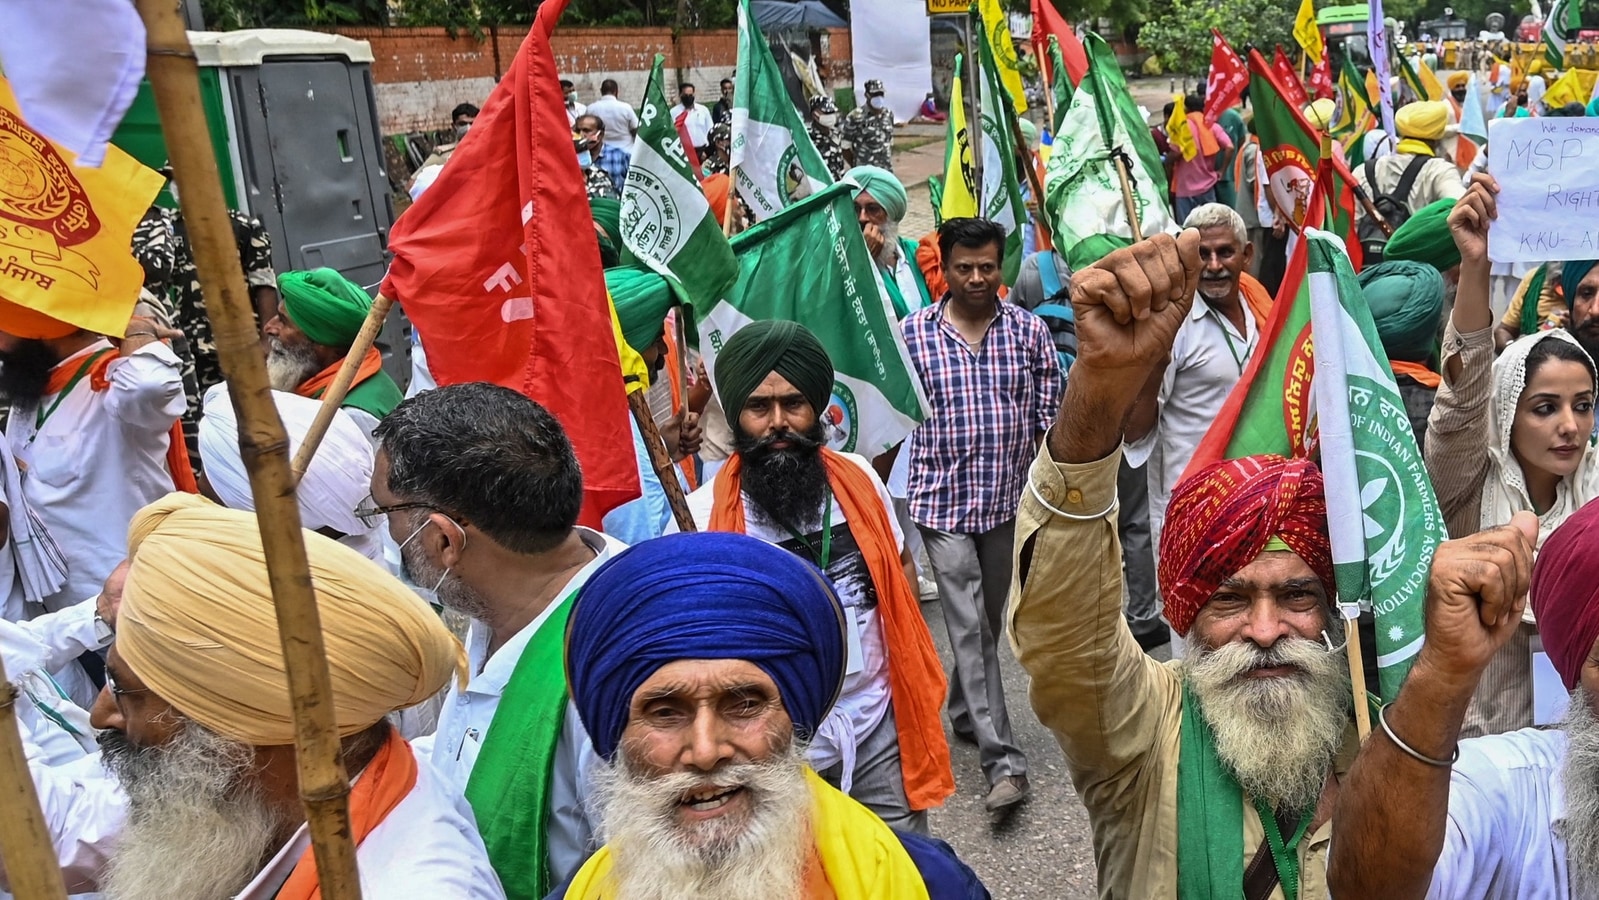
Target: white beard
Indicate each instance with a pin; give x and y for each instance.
(755, 856)
(197, 826)
(1278, 736)
(1580, 775)
(288, 367)
(888, 254)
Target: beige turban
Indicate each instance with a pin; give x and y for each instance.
(198, 626)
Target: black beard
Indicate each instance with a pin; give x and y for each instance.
(785, 487)
(1587, 334)
(24, 373)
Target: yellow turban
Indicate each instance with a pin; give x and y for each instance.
(1320, 113)
(1458, 79)
(198, 626)
(1423, 120)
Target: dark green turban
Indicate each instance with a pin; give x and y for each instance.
(1425, 238)
(607, 214)
(771, 345)
(1571, 274)
(642, 298)
(1407, 301)
(328, 307)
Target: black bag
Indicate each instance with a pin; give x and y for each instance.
(1394, 207)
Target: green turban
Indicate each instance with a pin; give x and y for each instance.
(642, 298)
(1425, 238)
(328, 307)
(1572, 272)
(884, 188)
(1407, 302)
(772, 345)
(607, 214)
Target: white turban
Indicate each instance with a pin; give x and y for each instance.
(338, 479)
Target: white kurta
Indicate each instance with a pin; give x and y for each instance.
(99, 457)
(55, 728)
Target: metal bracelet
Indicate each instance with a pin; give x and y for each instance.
(1115, 502)
(1382, 718)
(140, 334)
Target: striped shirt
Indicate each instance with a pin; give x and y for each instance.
(989, 405)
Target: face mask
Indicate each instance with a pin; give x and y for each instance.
(460, 130)
(826, 120)
(877, 103)
(584, 159)
(571, 96)
(687, 101)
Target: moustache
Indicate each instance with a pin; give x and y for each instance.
(797, 443)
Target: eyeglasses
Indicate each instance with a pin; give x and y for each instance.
(371, 514)
(117, 692)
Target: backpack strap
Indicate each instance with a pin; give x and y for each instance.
(1047, 274)
(1407, 181)
(1371, 178)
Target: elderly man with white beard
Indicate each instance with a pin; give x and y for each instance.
(701, 664)
(196, 727)
(880, 205)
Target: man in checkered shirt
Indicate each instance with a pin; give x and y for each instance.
(990, 372)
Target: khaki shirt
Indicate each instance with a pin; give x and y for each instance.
(1115, 712)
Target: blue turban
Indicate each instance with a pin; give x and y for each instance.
(709, 595)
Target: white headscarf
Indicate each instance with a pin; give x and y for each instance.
(1376, 144)
(338, 479)
(1505, 490)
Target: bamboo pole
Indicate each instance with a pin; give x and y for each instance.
(661, 461)
(732, 196)
(323, 785)
(1127, 198)
(1357, 677)
(25, 844)
(1024, 156)
(334, 396)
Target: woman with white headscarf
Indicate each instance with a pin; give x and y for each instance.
(1504, 436)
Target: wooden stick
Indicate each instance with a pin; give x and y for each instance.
(1024, 156)
(334, 396)
(25, 843)
(323, 784)
(660, 461)
(1357, 677)
(732, 196)
(1127, 199)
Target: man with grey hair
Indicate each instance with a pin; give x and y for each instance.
(1208, 356)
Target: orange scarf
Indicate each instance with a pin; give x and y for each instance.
(1256, 297)
(1203, 135)
(1423, 375)
(915, 675)
(931, 264)
(385, 781)
(100, 380)
(371, 364)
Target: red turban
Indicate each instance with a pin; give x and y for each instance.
(1220, 519)
(1565, 593)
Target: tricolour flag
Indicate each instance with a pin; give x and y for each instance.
(994, 24)
(66, 231)
(776, 162)
(1082, 188)
(999, 197)
(959, 197)
(1565, 18)
(1047, 23)
(1306, 33)
(503, 289)
(809, 264)
(666, 221)
(1227, 78)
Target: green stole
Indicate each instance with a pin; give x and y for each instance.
(907, 248)
(1210, 819)
(376, 396)
(1532, 299)
(509, 787)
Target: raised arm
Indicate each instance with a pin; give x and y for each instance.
(1390, 824)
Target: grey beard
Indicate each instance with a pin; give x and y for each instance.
(288, 366)
(452, 592)
(735, 857)
(198, 826)
(888, 254)
(1580, 777)
(1278, 736)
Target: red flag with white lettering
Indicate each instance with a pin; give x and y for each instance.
(1229, 75)
(498, 268)
(1046, 22)
(1293, 87)
(1321, 79)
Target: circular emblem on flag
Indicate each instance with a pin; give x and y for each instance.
(1296, 390)
(791, 176)
(839, 422)
(650, 217)
(1291, 175)
(1004, 48)
(1392, 478)
(37, 187)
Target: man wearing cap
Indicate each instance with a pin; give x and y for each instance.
(320, 312)
(823, 129)
(1407, 303)
(882, 743)
(198, 797)
(880, 206)
(702, 664)
(1421, 126)
(869, 130)
(718, 150)
(94, 425)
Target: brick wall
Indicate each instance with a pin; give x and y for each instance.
(422, 73)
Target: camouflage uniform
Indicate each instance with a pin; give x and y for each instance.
(710, 162)
(826, 139)
(155, 247)
(870, 132)
(598, 183)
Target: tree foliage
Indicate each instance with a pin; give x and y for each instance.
(472, 15)
(1180, 33)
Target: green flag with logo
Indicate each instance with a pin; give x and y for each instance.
(666, 221)
(772, 154)
(1000, 195)
(809, 264)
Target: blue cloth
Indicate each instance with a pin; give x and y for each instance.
(615, 161)
(639, 520)
(703, 596)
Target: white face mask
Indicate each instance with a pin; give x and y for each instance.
(827, 120)
(877, 103)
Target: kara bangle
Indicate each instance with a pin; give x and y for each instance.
(1382, 718)
(141, 334)
(1039, 496)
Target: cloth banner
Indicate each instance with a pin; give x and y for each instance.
(889, 42)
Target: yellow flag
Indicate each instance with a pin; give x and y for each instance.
(1576, 86)
(996, 30)
(960, 180)
(635, 374)
(1306, 32)
(66, 233)
(1429, 81)
(1178, 132)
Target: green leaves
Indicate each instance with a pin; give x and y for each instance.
(1180, 34)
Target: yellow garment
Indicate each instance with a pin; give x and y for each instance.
(996, 30)
(860, 855)
(1550, 303)
(1429, 81)
(1320, 113)
(635, 374)
(1178, 134)
(1306, 32)
(1423, 120)
(199, 628)
(1115, 712)
(66, 231)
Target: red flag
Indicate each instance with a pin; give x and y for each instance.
(1293, 89)
(1046, 22)
(1321, 79)
(1228, 77)
(499, 271)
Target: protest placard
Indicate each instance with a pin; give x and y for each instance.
(1548, 173)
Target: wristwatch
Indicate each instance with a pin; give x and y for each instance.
(102, 630)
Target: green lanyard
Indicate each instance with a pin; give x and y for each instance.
(826, 553)
(1231, 347)
(1285, 856)
(77, 376)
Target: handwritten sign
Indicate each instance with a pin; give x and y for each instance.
(1548, 173)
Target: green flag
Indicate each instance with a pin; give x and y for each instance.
(1082, 187)
(1000, 195)
(772, 153)
(1290, 149)
(1565, 18)
(666, 221)
(1062, 86)
(809, 264)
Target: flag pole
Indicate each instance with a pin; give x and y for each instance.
(660, 460)
(1127, 197)
(1357, 677)
(323, 784)
(732, 195)
(1025, 157)
(333, 397)
(25, 843)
